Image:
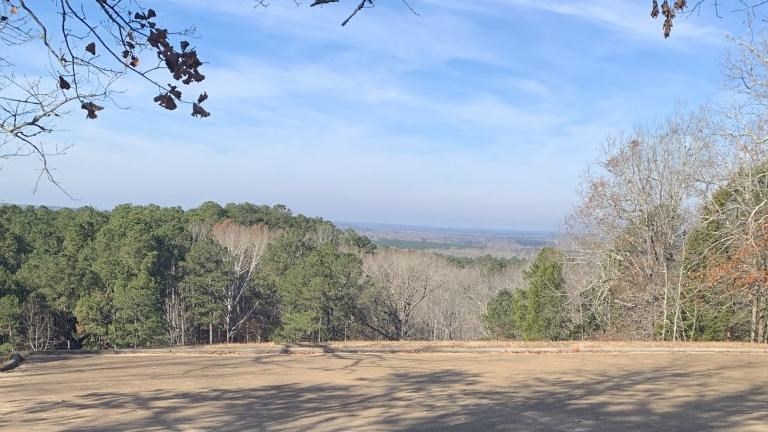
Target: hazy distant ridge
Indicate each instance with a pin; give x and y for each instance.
(455, 241)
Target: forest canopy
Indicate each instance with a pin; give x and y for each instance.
(146, 276)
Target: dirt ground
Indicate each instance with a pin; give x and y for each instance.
(388, 392)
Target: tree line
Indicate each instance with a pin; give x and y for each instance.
(146, 276)
(670, 242)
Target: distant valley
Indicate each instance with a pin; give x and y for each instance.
(464, 242)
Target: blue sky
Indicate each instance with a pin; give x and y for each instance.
(480, 113)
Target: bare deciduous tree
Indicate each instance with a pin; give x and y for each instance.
(37, 324)
(423, 295)
(737, 215)
(399, 281)
(455, 310)
(245, 246)
(638, 203)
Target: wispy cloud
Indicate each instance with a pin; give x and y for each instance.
(390, 32)
(628, 17)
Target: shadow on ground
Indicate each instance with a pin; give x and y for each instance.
(655, 399)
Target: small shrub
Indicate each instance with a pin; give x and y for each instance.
(5, 350)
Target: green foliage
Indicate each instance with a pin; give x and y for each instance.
(5, 349)
(10, 310)
(537, 312)
(203, 281)
(592, 317)
(726, 321)
(727, 260)
(351, 240)
(545, 314)
(319, 294)
(138, 320)
(132, 276)
(141, 276)
(208, 211)
(12, 249)
(94, 314)
(297, 326)
(278, 217)
(489, 262)
(499, 320)
(137, 254)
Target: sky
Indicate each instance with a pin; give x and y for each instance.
(476, 113)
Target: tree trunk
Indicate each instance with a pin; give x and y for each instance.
(765, 319)
(677, 314)
(693, 327)
(664, 306)
(229, 318)
(753, 327)
(210, 333)
(760, 323)
(761, 318)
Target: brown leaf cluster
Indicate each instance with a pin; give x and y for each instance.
(92, 109)
(182, 63)
(668, 12)
(744, 267)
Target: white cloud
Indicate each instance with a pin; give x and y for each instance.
(494, 112)
(387, 32)
(628, 17)
(528, 85)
